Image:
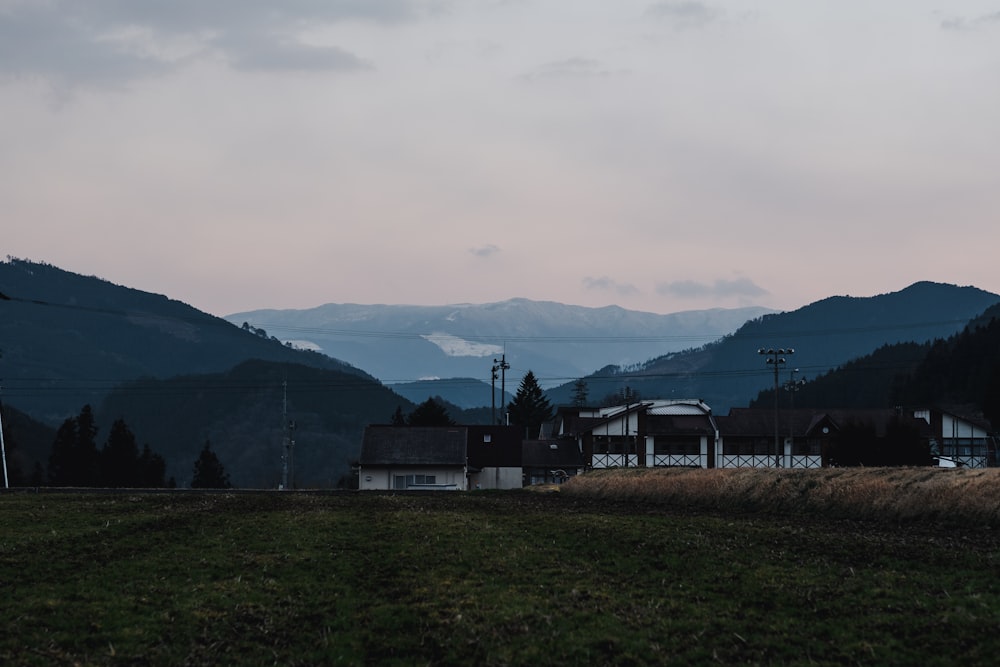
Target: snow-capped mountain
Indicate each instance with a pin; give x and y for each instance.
(397, 343)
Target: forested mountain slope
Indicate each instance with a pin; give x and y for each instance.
(824, 335)
(67, 339)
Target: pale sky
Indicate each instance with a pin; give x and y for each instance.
(658, 155)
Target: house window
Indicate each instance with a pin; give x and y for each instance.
(614, 444)
(808, 447)
(748, 447)
(677, 446)
(487, 438)
(405, 481)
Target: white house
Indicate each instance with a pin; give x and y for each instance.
(959, 440)
(413, 458)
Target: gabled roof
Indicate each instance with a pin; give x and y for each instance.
(970, 414)
(550, 454)
(410, 445)
(661, 424)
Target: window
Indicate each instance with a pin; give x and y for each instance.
(807, 447)
(748, 447)
(487, 438)
(614, 444)
(405, 481)
(677, 446)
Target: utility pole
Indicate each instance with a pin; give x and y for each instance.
(626, 450)
(289, 442)
(3, 450)
(791, 387)
(504, 367)
(493, 390)
(3, 447)
(776, 358)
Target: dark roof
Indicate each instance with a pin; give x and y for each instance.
(807, 421)
(410, 445)
(967, 413)
(679, 425)
(502, 451)
(550, 454)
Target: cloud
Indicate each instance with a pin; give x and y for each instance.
(571, 68)
(687, 14)
(962, 23)
(487, 250)
(606, 284)
(36, 41)
(690, 289)
(257, 52)
(114, 42)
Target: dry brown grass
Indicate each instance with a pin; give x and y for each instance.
(954, 495)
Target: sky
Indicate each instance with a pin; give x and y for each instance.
(658, 155)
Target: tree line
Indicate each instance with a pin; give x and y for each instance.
(75, 459)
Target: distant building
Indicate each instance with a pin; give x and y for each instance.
(667, 433)
(960, 439)
(440, 458)
(652, 434)
(550, 461)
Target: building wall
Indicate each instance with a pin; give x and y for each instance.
(496, 478)
(379, 478)
(701, 459)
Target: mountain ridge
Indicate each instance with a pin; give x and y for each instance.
(461, 340)
(824, 334)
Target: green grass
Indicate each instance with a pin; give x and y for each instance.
(479, 578)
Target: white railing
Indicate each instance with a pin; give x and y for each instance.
(668, 460)
(614, 460)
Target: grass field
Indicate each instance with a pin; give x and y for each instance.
(487, 578)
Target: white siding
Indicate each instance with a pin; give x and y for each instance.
(383, 478)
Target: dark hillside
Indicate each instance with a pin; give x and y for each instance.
(67, 339)
(963, 370)
(960, 371)
(872, 381)
(27, 442)
(825, 334)
(240, 413)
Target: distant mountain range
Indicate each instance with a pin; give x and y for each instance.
(407, 344)
(180, 377)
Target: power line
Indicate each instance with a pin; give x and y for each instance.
(23, 387)
(207, 319)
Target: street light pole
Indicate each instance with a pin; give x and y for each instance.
(776, 358)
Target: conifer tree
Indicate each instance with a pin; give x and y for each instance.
(209, 472)
(60, 471)
(397, 417)
(430, 413)
(74, 459)
(530, 408)
(152, 469)
(120, 457)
